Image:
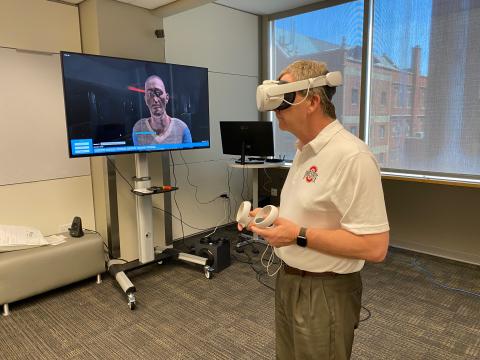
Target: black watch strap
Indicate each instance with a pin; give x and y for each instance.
(302, 237)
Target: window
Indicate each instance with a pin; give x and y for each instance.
(381, 158)
(354, 96)
(423, 76)
(431, 59)
(333, 35)
(354, 130)
(422, 98)
(396, 96)
(408, 97)
(381, 131)
(383, 100)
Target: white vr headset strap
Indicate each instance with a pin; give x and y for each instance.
(331, 79)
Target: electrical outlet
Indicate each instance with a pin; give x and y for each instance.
(64, 227)
(273, 192)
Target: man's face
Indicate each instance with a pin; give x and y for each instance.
(291, 118)
(156, 97)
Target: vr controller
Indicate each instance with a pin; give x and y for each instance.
(278, 95)
(264, 218)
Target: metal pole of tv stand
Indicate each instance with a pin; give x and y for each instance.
(147, 254)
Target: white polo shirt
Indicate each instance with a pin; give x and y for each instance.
(334, 183)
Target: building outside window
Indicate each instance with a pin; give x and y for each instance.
(381, 131)
(355, 97)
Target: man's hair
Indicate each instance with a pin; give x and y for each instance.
(306, 69)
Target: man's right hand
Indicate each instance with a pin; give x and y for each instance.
(252, 214)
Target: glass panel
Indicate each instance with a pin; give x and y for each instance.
(332, 35)
(425, 64)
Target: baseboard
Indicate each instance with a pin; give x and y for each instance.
(440, 252)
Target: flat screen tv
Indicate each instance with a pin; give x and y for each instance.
(117, 106)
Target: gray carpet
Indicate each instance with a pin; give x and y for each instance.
(182, 315)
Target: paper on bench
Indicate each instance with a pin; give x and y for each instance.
(12, 235)
(56, 239)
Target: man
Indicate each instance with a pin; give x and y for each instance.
(332, 218)
(159, 128)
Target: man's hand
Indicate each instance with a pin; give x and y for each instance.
(282, 233)
(252, 214)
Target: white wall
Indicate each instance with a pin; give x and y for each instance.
(435, 219)
(45, 202)
(226, 42)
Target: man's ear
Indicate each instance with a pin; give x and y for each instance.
(167, 98)
(314, 103)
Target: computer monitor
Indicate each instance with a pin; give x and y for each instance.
(116, 106)
(247, 138)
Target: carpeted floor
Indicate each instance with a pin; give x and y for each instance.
(182, 315)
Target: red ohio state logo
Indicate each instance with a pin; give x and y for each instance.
(311, 174)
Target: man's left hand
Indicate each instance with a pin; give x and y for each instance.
(282, 233)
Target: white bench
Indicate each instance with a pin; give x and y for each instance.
(25, 273)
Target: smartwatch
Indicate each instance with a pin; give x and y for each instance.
(302, 237)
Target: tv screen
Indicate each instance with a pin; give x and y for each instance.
(116, 106)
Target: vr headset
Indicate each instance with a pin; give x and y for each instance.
(279, 95)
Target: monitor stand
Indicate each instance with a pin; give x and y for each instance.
(242, 160)
(147, 253)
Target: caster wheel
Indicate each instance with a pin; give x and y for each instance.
(132, 305)
(208, 271)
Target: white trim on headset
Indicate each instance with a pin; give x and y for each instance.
(271, 93)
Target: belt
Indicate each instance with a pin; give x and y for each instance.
(294, 271)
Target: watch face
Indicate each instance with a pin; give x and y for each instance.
(301, 241)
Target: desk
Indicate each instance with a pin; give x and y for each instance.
(255, 168)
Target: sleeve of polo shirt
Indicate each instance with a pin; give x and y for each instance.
(358, 196)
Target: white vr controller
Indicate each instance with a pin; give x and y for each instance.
(264, 218)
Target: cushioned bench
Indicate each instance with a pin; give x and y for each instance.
(25, 273)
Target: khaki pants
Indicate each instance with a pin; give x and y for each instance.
(315, 316)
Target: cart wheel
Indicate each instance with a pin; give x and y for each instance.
(208, 271)
(132, 304)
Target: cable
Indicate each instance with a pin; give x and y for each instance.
(105, 246)
(258, 273)
(175, 197)
(157, 208)
(433, 281)
(369, 314)
(195, 186)
(305, 98)
(119, 173)
(177, 218)
(218, 223)
(229, 176)
(271, 261)
(269, 181)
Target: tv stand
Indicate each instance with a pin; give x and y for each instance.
(147, 253)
